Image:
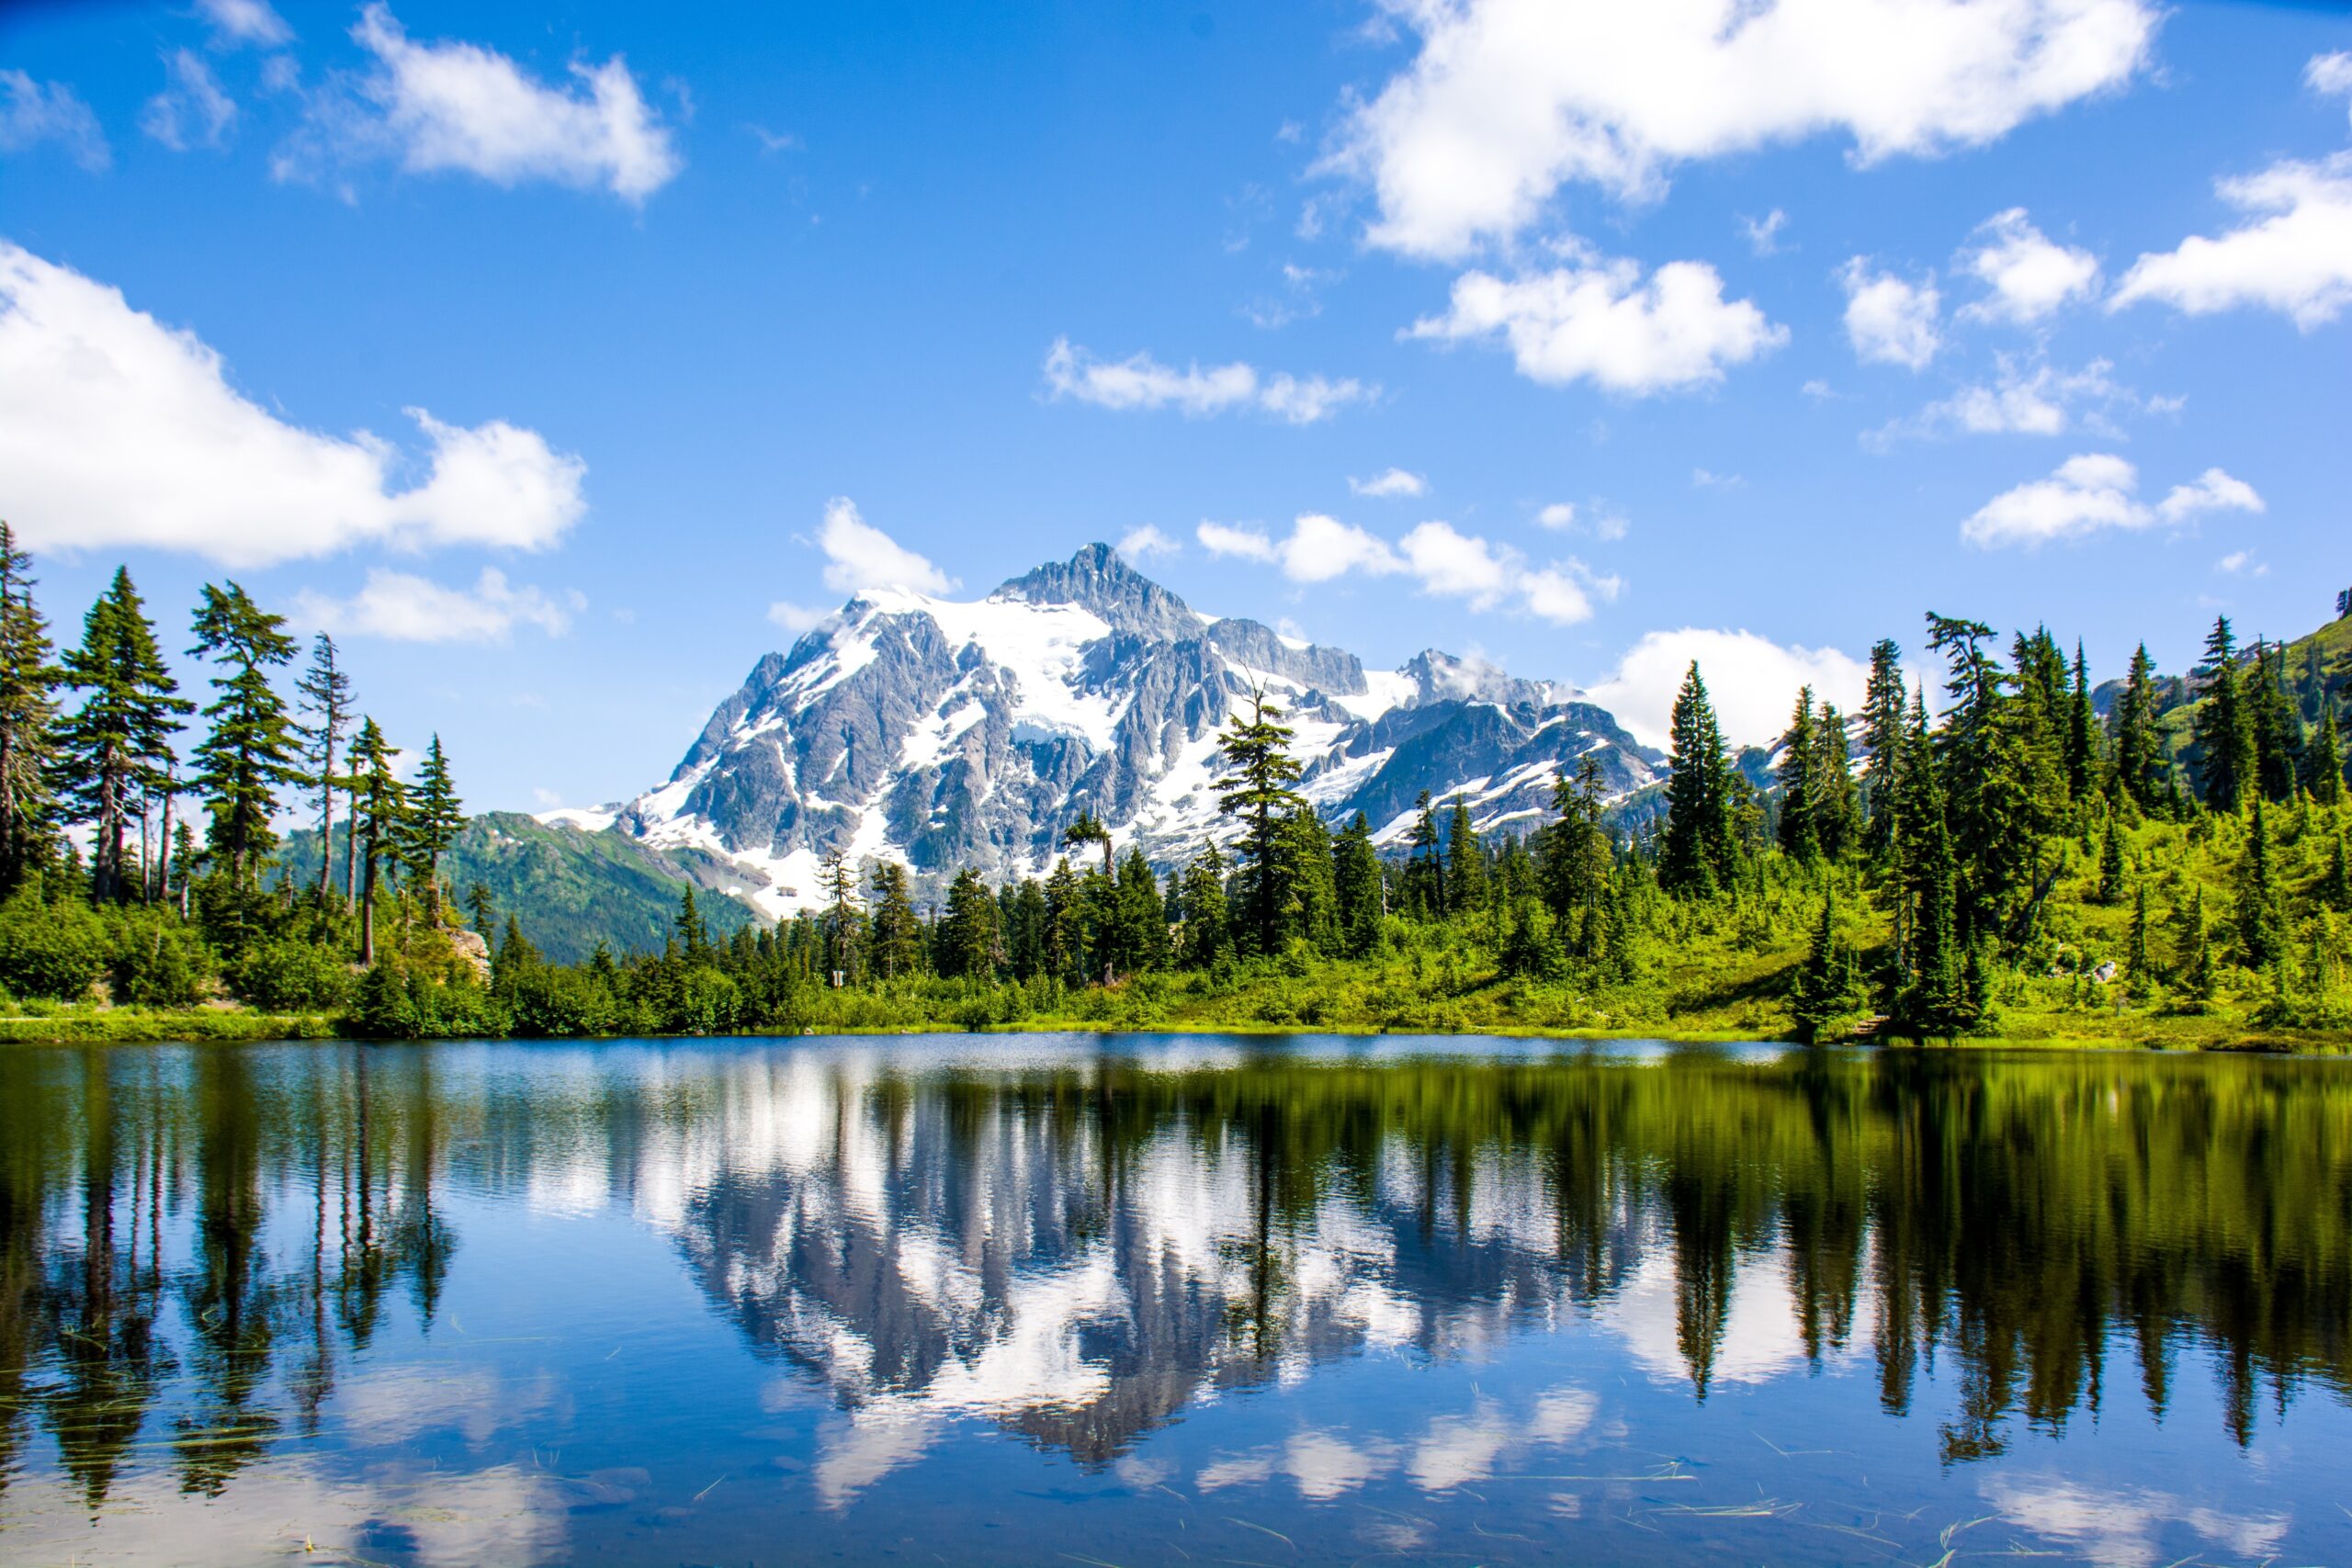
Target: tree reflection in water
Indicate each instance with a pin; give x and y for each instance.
(1079, 1244)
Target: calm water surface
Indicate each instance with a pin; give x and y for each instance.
(1054, 1300)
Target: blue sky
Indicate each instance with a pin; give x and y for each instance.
(1680, 323)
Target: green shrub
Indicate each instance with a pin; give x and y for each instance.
(50, 950)
(158, 961)
(291, 975)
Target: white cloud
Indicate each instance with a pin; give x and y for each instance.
(1508, 100)
(2293, 254)
(2330, 73)
(456, 106)
(1560, 517)
(116, 431)
(1140, 381)
(1817, 389)
(32, 112)
(1764, 233)
(860, 555)
(796, 618)
(1389, 484)
(192, 110)
(1143, 543)
(2239, 563)
(2044, 400)
(1752, 681)
(1707, 478)
(247, 21)
(2095, 491)
(1442, 560)
(401, 607)
(1597, 320)
(2212, 490)
(1890, 320)
(2030, 275)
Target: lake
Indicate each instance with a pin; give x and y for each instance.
(1162, 1300)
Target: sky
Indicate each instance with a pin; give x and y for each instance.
(564, 365)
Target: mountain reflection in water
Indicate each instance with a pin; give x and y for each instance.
(1080, 1244)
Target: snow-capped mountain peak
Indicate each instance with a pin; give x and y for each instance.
(947, 733)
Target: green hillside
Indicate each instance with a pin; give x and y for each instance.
(572, 888)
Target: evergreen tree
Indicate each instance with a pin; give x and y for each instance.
(1466, 862)
(2278, 730)
(2323, 758)
(692, 931)
(967, 932)
(1425, 863)
(252, 746)
(27, 720)
(2137, 964)
(325, 694)
(1356, 883)
(1025, 932)
(1829, 794)
(839, 884)
(1934, 999)
(181, 865)
(1573, 858)
(2110, 864)
(1205, 932)
(2337, 887)
(1066, 922)
(1142, 919)
(1256, 789)
(1827, 984)
(1796, 773)
(1884, 702)
(2083, 770)
(897, 930)
(436, 817)
(1697, 854)
(479, 904)
(1305, 891)
(2195, 949)
(1089, 829)
(2224, 729)
(379, 813)
(2260, 922)
(115, 750)
(2139, 752)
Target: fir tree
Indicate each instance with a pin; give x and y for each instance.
(1357, 883)
(2323, 759)
(1884, 705)
(1142, 919)
(2139, 752)
(692, 931)
(1205, 933)
(1425, 862)
(27, 720)
(2196, 949)
(1796, 775)
(2137, 964)
(2083, 770)
(479, 904)
(967, 932)
(1089, 829)
(1934, 998)
(2110, 864)
(251, 749)
(1829, 796)
(2337, 887)
(114, 750)
(435, 820)
(1066, 922)
(1025, 933)
(2222, 727)
(1697, 854)
(1573, 857)
(1466, 862)
(378, 813)
(1256, 789)
(2261, 936)
(1825, 984)
(325, 694)
(898, 930)
(2277, 731)
(839, 884)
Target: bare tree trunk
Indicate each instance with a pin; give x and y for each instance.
(367, 916)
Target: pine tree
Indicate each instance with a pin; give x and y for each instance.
(325, 694)
(435, 820)
(1256, 789)
(251, 749)
(1089, 829)
(2277, 731)
(2083, 771)
(2139, 752)
(1884, 704)
(967, 932)
(115, 750)
(181, 866)
(1934, 998)
(27, 720)
(839, 884)
(1466, 862)
(1573, 857)
(898, 930)
(1796, 775)
(379, 810)
(481, 906)
(1826, 983)
(2137, 962)
(2337, 887)
(1142, 919)
(2110, 864)
(692, 931)
(2224, 728)
(1829, 796)
(1697, 855)
(1356, 882)
(2196, 949)
(2323, 759)
(1425, 863)
(1205, 932)
(1066, 922)
(2260, 922)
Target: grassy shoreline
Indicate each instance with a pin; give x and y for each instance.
(140, 1026)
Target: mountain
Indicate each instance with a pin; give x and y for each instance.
(574, 888)
(948, 733)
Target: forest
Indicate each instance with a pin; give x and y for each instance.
(2010, 854)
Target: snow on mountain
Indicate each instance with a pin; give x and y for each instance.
(946, 733)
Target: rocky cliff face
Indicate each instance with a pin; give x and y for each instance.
(946, 734)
